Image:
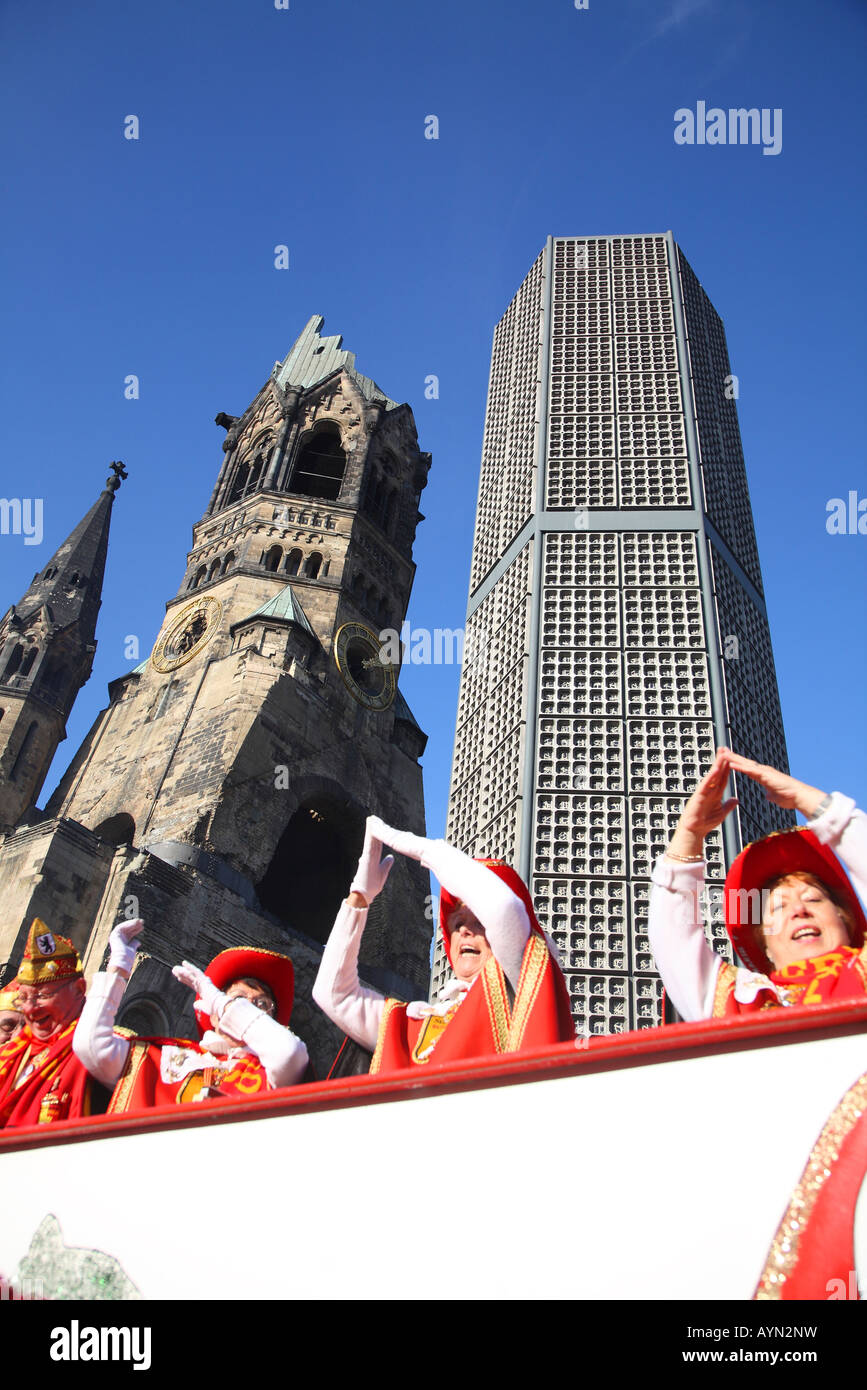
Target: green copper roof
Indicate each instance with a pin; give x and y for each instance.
(285, 605)
(312, 358)
(403, 711)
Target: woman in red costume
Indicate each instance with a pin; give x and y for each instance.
(243, 1006)
(791, 912)
(508, 992)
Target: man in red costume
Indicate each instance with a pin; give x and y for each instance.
(508, 992)
(245, 999)
(41, 1079)
(792, 914)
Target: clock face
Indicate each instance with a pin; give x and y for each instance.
(187, 635)
(370, 680)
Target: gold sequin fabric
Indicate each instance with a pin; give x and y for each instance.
(784, 1252)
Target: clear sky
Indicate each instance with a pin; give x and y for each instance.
(305, 127)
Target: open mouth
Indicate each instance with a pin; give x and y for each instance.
(804, 933)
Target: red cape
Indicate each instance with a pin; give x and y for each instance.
(141, 1086)
(484, 1023)
(813, 1252)
(51, 1082)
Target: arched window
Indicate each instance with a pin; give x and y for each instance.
(376, 499)
(214, 570)
(117, 830)
(145, 1017)
(312, 565)
(26, 743)
(312, 862)
(239, 486)
(320, 464)
(54, 676)
(199, 577)
(14, 661)
(273, 558)
(228, 560)
(293, 562)
(27, 663)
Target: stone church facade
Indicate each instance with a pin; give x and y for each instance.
(221, 794)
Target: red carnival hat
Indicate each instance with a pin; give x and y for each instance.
(48, 957)
(781, 852)
(448, 902)
(251, 962)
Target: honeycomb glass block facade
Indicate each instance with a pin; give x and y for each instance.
(616, 627)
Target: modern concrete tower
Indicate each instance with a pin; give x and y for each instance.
(616, 626)
(221, 794)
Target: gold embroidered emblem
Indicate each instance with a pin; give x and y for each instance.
(431, 1031)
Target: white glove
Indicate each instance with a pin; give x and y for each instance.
(413, 846)
(124, 942)
(372, 869)
(209, 1000)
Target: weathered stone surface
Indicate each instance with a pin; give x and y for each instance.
(222, 794)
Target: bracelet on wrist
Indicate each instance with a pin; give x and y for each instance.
(685, 858)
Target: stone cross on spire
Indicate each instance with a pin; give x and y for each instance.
(119, 472)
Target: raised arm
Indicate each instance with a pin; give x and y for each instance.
(95, 1043)
(337, 990)
(282, 1054)
(499, 910)
(834, 819)
(688, 966)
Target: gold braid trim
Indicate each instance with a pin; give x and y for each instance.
(122, 1092)
(783, 1254)
(861, 965)
(725, 983)
(529, 984)
(390, 1006)
(497, 1000)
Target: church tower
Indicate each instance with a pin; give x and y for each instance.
(47, 645)
(227, 782)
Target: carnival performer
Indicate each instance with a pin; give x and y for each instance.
(508, 993)
(243, 1006)
(41, 1079)
(791, 912)
(12, 1019)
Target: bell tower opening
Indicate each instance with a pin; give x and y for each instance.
(314, 860)
(320, 464)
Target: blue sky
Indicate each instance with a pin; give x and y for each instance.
(305, 127)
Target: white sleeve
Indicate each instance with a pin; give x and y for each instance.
(337, 989)
(282, 1054)
(843, 828)
(688, 966)
(94, 1041)
(500, 911)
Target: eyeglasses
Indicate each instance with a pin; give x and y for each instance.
(37, 993)
(261, 1002)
